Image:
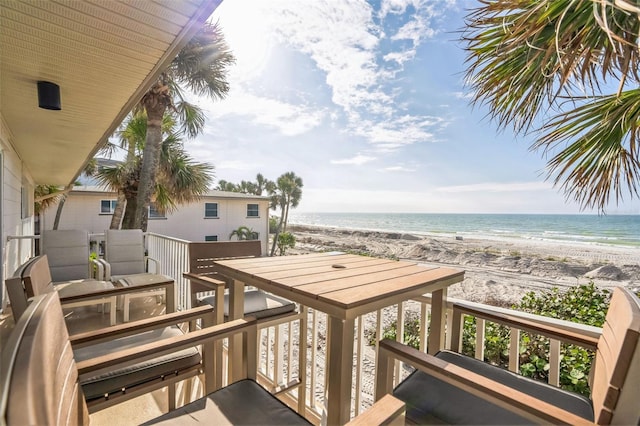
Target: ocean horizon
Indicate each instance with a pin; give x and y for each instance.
(616, 230)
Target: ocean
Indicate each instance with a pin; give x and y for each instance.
(619, 230)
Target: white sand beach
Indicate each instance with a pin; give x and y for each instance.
(497, 271)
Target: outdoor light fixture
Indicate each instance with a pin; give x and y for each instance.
(49, 95)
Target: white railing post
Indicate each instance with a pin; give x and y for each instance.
(554, 362)
(514, 349)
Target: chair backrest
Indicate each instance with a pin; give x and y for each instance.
(124, 250)
(36, 277)
(615, 387)
(203, 254)
(68, 252)
(16, 289)
(39, 377)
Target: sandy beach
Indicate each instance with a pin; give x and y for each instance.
(496, 271)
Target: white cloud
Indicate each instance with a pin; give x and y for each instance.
(398, 169)
(289, 119)
(344, 40)
(498, 187)
(358, 160)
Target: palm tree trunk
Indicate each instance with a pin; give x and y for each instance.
(56, 221)
(275, 237)
(118, 211)
(128, 220)
(155, 105)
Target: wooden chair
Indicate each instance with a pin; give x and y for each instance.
(83, 292)
(271, 310)
(456, 389)
(41, 379)
(126, 265)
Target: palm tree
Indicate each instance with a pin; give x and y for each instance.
(542, 65)
(200, 67)
(244, 233)
(179, 179)
(286, 194)
(223, 185)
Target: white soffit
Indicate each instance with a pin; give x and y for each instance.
(102, 53)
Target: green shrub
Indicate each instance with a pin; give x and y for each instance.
(584, 304)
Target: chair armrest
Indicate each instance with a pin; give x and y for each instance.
(156, 262)
(388, 410)
(508, 398)
(200, 283)
(131, 356)
(130, 328)
(96, 264)
(549, 330)
(107, 269)
(114, 291)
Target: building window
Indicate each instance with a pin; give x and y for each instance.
(211, 210)
(253, 210)
(211, 238)
(154, 213)
(107, 206)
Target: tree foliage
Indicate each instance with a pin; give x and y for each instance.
(545, 66)
(200, 68)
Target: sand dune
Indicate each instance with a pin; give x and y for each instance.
(496, 271)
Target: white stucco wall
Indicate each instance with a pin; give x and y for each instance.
(82, 211)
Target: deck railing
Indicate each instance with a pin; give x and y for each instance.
(280, 344)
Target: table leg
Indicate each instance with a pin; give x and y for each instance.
(170, 298)
(340, 370)
(236, 311)
(438, 321)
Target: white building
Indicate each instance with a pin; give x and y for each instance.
(213, 218)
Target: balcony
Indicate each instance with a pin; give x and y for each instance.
(279, 344)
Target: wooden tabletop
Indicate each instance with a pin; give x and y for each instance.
(342, 285)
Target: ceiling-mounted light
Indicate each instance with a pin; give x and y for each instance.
(49, 95)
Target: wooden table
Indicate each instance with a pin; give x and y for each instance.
(344, 286)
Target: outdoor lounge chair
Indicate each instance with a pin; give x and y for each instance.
(455, 389)
(270, 309)
(33, 278)
(40, 377)
(126, 265)
(72, 271)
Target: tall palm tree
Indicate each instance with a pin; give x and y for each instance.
(544, 66)
(201, 68)
(287, 194)
(179, 179)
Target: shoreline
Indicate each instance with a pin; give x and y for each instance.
(497, 271)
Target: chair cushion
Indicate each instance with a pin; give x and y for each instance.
(140, 279)
(257, 303)
(81, 287)
(241, 403)
(114, 381)
(430, 400)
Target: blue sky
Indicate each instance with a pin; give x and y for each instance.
(365, 101)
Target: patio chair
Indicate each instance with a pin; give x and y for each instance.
(33, 278)
(126, 265)
(455, 389)
(68, 254)
(41, 377)
(270, 309)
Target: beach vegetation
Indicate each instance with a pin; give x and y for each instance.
(286, 240)
(285, 196)
(585, 304)
(565, 72)
(244, 233)
(200, 68)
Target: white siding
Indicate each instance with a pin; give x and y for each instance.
(82, 211)
(13, 178)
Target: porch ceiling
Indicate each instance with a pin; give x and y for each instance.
(102, 53)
